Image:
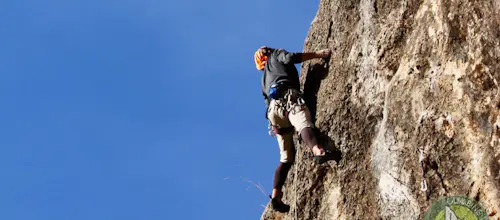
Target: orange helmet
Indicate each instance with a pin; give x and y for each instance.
(260, 58)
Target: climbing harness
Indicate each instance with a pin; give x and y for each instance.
(291, 102)
(294, 101)
(421, 158)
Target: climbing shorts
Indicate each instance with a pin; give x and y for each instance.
(287, 112)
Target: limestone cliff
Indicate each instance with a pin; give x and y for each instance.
(405, 76)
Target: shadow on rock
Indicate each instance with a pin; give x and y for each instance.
(315, 75)
(333, 152)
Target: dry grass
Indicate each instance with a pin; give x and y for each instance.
(256, 185)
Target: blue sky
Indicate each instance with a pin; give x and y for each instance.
(138, 109)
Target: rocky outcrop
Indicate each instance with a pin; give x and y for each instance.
(410, 94)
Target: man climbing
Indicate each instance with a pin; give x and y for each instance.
(286, 110)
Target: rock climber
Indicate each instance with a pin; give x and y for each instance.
(286, 110)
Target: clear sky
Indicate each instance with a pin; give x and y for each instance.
(138, 109)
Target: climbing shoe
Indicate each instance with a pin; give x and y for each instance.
(320, 159)
(329, 155)
(279, 206)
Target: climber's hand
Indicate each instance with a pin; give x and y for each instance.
(323, 53)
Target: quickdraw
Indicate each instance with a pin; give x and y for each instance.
(421, 158)
(275, 130)
(271, 130)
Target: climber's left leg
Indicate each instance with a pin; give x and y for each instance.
(287, 156)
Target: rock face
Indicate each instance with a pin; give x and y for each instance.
(407, 80)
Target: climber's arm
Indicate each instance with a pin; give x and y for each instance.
(311, 55)
(289, 58)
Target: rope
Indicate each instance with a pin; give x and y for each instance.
(295, 186)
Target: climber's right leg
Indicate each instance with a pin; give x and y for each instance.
(300, 118)
(309, 137)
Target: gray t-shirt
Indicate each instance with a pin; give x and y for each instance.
(280, 68)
